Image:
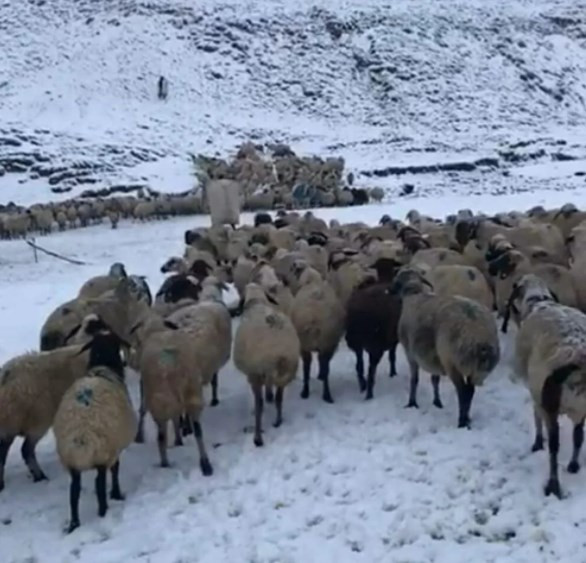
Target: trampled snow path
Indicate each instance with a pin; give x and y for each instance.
(354, 481)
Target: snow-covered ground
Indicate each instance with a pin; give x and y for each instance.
(353, 481)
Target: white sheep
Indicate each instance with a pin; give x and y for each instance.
(550, 359)
(266, 350)
(171, 381)
(445, 335)
(95, 422)
(318, 314)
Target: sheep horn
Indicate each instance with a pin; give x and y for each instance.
(71, 333)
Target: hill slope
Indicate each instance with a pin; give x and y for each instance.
(370, 80)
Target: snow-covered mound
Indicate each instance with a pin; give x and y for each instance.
(407, 84)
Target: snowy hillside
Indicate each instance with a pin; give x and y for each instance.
(394, 87)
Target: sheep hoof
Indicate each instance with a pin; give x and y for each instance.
(362, 385)
(39, 477)
(73, 525)
(320, 377)
(187, 430)
(573, 467)
(117, 495)
(369, 396)
(278, 423)
(214, 402)
(393, 374)
(102, 511)
(165, 464)
(553, 487)
(437, 403)
(206, 467)
(258, 442)
(328, 399)
(412, 404)
(464, 424)
(537, 445)
(305, 394)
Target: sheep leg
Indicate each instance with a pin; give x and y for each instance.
(258, 408)
(435, 383)
(578, 438)
(393, 360)
(204, 460)
(269, 394)
(74, 493)
(5, 444)
(30, 458)
(115, 492)
(374, 358)
(101, 479)
(465, 394)
(139, 439)
(185, 424)
(413, 383)
(553, 439)
(324, 359)
(177, 429)
(360, 369)
(538, 443)
(306, 359)
(162, 443)
(279, 407)
(215, 401)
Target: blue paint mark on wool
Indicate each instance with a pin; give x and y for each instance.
(84, 396)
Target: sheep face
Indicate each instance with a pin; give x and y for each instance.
(410, 281)
(526, 293)
(174, 264)
(105, 349)
(505, 265)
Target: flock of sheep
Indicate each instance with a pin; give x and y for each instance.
(44, 218)
(431, 286)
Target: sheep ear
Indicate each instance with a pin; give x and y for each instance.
(427, 282)
(71, 333)
(554, 295)
(271, 299)
(135, 327)
(171, 325)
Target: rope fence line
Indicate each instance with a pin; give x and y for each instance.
(36, 248)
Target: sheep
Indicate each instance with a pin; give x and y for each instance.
(439, 256)
(527, 234)
(454, 279)
(262, 219)
(345, 274)
(171, 383)
(445, 335)
(550, 359)
(95, 422)
(113, 306)
(177, 287)
(318, 314)
(96, 286)
(512, 265)
(266, 350)
(31, 387)
(144, 210)
(210, 324)
(17, 225)
(372, 317)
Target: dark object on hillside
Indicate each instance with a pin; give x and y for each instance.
(407, 189)
(163, 88)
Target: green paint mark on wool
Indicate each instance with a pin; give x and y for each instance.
(168, 356)
(84, 396)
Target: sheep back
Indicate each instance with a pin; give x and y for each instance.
(95, 421)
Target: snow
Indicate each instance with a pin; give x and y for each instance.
(353, 481)
(407, 83)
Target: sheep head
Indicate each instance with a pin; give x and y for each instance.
(410, 281)
(526, 293)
